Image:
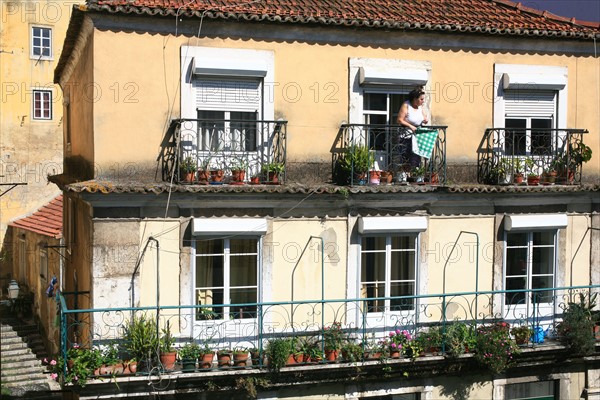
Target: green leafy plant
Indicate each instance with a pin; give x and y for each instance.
(355, 159)
(398, 339)
(189, 351)
(333, 336)
(418, 171)
(459, 338)
(278, 351)
(166, 341)
(352, 352)
(110, 354)
(521, 333)
(81, 363)
(141, 337)
(495, 348)
(188, 165)
(431, 339)
(273, 167)
(577, 327)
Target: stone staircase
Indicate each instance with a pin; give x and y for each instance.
(21, 353)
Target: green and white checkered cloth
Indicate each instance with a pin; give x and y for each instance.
(423, 142)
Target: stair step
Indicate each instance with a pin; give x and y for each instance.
(32, 383)
(10, 364)
(22, 370)
(26, 374)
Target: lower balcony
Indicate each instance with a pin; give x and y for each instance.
(218, 347)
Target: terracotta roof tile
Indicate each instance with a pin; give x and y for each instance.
(105, 187)
(46, 221)
(478, 16)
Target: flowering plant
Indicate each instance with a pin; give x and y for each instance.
(81, 363)
(495, 348)
(333, 336)
(398, 339)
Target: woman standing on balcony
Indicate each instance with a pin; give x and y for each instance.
(411, 116)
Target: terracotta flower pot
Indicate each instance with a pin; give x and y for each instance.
(240, 359)
(331, 355)
(206, 360)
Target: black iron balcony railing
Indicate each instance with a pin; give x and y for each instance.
(253, 146)
(360, 148)
(506, 156)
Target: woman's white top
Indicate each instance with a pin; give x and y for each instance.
(414, 115)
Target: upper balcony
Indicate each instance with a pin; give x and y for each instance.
(213, 151)
(360, 149)
(531, 156)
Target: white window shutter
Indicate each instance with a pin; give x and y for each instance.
(230, 94)
(523, 103)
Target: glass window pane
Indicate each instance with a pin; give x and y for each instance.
(209, 246)
(209, 271)
(403, 265)
(402, 289)
(375, 101)
(239, 246)
(403, 242)
(396, 102)
(373, 267)
(543, 260)
(243, 296)
(515, 284)
(543, 390)
(516, 239)
(543, 238)
(516, 261)
(373, 243)
(209, 296)
(541, 139)
(515, 140)
(242, 270)
(373, 290)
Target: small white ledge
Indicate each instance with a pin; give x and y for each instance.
(229, 226)
(538, 221)
(373, 225)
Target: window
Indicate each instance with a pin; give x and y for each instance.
(43, 264)
(543, 390)
(42, 104)
(530, 263)
(41, 42)
(388, 269)
(529, 118)
(227, 130)
(381, 109)
(226, 272)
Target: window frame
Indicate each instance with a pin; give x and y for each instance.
(529, 265)
(33, 47)
(44, 105)
(226, 312)
(388, 270)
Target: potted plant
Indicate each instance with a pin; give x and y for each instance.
(141, 339)
(333, 337)
(374, 177)
(204, 170)
(205, 359)
(307, 350)
(576, 155)
(167, 352)
(189, 353)
(187, 169)
(255, 356)
(459, 338)
(351, 351)
(431, 339)
(533, 177)
(517, 166)
(397, 341)
(495, 348)
(111, 363)
(278, 351)
(81, 363)
(418, 174)
(238, 170)
(577, 327)
(352, 165)
(273, 171)
(522, 334)
(386, 177)
(240, 356)
(224, 357)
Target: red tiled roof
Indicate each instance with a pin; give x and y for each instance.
(478, 16)
(46, 221)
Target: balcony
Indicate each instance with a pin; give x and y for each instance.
(517, 156)
(363, 331)
(360, 148)
(220, 146)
